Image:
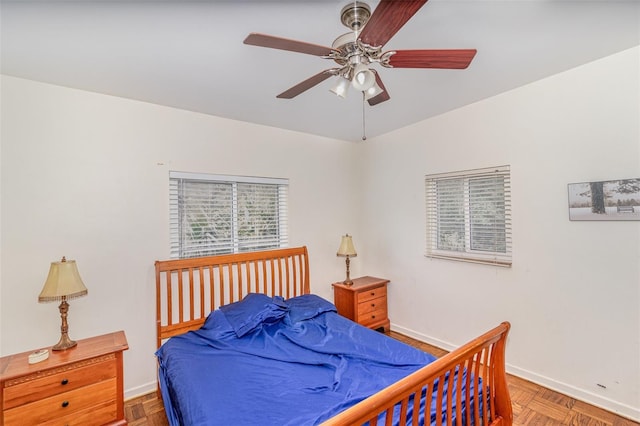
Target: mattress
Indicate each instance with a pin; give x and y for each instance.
(267, 361)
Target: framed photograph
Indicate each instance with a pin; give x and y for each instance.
(606, 200)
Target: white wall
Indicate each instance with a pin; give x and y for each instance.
(572, 295)
(86, 176)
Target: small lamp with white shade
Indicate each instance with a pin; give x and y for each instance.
(347, 250)
(63, 282)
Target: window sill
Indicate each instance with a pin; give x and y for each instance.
(470, 259)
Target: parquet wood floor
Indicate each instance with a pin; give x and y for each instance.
(533, 405)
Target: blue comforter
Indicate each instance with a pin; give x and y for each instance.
(266, 361)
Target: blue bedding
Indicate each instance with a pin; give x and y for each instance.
(268, 361)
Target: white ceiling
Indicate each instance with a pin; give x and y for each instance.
(190, 55)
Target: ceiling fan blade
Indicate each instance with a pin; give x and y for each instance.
(264, 40)
(307, 84)
(439, 58)
(387, 19)
(383, 96)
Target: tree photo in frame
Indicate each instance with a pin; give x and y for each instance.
(605, 200)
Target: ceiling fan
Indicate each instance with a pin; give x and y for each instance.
(353, 52)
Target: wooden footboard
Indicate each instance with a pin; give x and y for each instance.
(483, 357)
(188, 289)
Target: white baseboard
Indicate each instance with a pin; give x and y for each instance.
(618, 408)
(139, 390)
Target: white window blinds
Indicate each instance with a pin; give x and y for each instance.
(216, 214)
(469, 215)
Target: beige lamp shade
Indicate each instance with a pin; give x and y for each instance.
(346, 247)
(63, 282)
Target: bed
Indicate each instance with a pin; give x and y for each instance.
(242, 340)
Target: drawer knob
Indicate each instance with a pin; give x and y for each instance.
(65, 404)
(373, 293)
(64, 381)
(373, 305)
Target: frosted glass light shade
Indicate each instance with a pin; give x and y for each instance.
(363, 78)
(341, 87)
(372, 91)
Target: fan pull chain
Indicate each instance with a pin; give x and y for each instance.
(364, 136)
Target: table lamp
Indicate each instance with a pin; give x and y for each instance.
(63, 283)
(347, 250)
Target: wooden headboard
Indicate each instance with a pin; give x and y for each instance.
(188, 289)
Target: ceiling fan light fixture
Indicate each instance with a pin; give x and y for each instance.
(341, 87)
(356, 51)
(363, 78)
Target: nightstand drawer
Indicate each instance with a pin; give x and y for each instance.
(62, 379)
(372, 317)
(62, 405)
(373, 293)
(371, 305)
(99, 415)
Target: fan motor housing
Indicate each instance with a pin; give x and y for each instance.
(347, 46)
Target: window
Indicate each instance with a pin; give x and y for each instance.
(469, 215)
(213, 214)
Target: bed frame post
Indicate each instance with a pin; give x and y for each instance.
(503, 399)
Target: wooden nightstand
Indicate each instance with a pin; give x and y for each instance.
(364, 302)
(82, 385)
